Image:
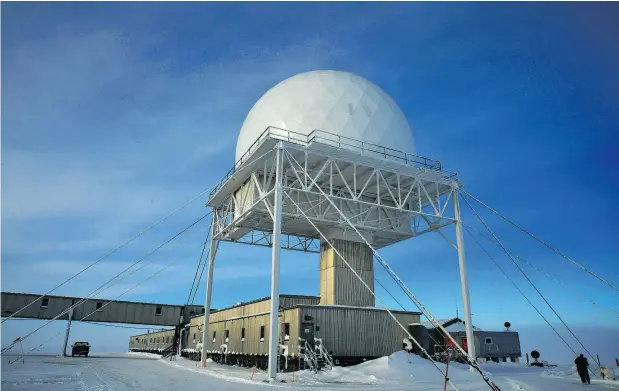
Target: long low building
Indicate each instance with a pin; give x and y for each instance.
(153, 342)
(240, 334)
(36, 306)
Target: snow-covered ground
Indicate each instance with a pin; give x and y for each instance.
(141, 371)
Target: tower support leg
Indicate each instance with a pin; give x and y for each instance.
(276, 249)
(66, 334)
(470, 338)
(209, 291)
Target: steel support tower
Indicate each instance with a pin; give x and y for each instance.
(388, 195)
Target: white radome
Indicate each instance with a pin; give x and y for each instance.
(332, 101)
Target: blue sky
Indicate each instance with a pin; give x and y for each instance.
(114, 114)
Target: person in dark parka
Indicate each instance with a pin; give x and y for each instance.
(582, 366)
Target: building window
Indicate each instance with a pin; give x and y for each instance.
(488, 340)
(158, 311)
(203, 310)
(261, 333)
(194, 337)
(243, 334)
(226, 335)
(214, 334)
(286, 331)
(317, 328)
(99, 306)
(167, 339)
(44, 302)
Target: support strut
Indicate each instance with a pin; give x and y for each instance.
(276, 249)
(66, 335)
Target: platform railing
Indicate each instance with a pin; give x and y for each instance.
(323, 352)
(309, 356)
(340, 142)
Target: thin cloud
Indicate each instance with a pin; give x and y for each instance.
(137, 138)
(40, 276)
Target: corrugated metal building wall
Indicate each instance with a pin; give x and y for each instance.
(50, 306)
(338, 284)
(158, 340)
(346, 331)
(249, 316)
(491, 344)
(350, 331)
(501, 343)
(12, 302)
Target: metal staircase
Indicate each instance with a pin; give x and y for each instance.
(306, 353)
(315, 356)
(323, 357)
(171, 351)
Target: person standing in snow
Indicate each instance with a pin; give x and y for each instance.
(582, 366)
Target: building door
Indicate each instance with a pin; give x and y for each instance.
(307, 332)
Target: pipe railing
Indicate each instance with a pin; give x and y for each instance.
(340, 142)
